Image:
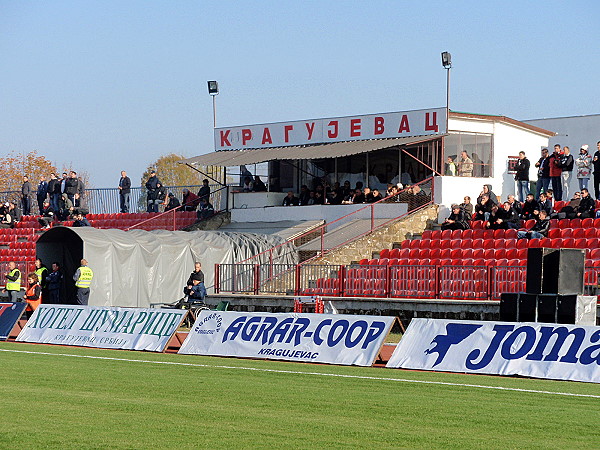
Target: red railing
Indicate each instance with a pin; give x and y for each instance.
(322, 229)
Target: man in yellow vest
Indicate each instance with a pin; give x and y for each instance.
(83, 279)
(13, 282)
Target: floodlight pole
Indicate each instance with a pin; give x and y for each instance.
(214, 99)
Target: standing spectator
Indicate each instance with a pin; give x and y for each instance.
(12, 285)
(80, 187)
(465, 165)
(290, 200)
(55, 284)
(63, 183)
(54, 191)
(190, 200)
(247, 185)
(83, 279)
(151, 186)
(47, 215)
(566, 164)
(450, 167)
(458, 219)
(124, 192)
(522, 176)
(543, 181)
(556, 172)
(71, 185)
(26, 196)
(467, 206)
(173, 202)
(539, 229)
(583, 162)
(204, 191)
(42, 192)
(596, 162)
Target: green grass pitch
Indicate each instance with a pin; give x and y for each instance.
(64, 402)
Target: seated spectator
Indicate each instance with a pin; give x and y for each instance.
(335, 198)
(47, 215)
(569, 211)
(587, 205)
(6, 220)
(483, 208)
(190, 200)
(531, 208)
(539, 229)
(550, 198)
(545, 204)
(290, 199)
(304, 196)
(467, 206)
(414, 196)
(66, 206)
(458, 219)
(368, 195)
(80, 221)
(319, 198)
(247, 186)
(258, 185)
(15, 212)
(205, 210)
(346, 190)
(487, 190)
(173, 202)
(376, 196)
(514, 204)
(504, 217)
(358, 197)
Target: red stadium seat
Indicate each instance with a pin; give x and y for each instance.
(488, 243)
(566, 233)
(554, 233)
(579, 233)
(466, 243)
(467, 234)
(477, 243)
(558, 205)
(510, 234)
(478, 253)
(595, 254)
(567, 243)
(522, 243)
(467, 253)
(499, 253)
(426, 234)
(580, 243)
(590, 233)
(478, 234)
(587, 223)
(534, 243)
(510, 243)
(575, 223)
(512, 253)
(591, 243)
(394, 253)
(435, 253)
(499, 234)
(385, 253)
(436, 234)
(522, 253)
(564, 223)
(597, 223)
(445, 254)
(456, 234)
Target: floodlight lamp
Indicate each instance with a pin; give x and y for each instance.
(213, 87)
(446, 60)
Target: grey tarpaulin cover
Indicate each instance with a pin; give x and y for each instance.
(137, 268)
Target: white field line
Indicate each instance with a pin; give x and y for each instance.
(321, 374)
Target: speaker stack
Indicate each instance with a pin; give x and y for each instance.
(554, 290)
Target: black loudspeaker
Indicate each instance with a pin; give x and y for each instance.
(546, 308)
(566, 309)
(555, 271)
(527, 308)
(509, 307)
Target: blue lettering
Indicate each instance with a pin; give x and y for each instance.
(501, 332)
(234, 328)
(530, 336)
(374, 332)
(561, 333)
(250, 328)
(317, 336)
(343, 324)
(300, 325)
(363, 325)
(586, 355)
(280, 330)
(267, 325)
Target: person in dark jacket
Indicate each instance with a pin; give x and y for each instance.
(483, 208)
(173, 202)
(42, 192)
(54, 191)
(531, 208)
(258, 185)
(152, 187)
(124, 192)
(458, 219)
(522, 176)
(556, 172)
(204, 191)
(566, 163)
(80, 221)
(290, 200)
(26, 196)
(587, 205)
(205, 210)
(487, 190)
(55, 279)
(539, 229)
(543, 166)
(47, 215)
(71, 185)
(514, 204)
(545, 204)
(506, 218)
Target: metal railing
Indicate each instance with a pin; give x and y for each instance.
(389, 281)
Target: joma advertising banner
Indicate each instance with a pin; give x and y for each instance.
(540, 350)
(322, 338)
(103, 327)
(9, 314)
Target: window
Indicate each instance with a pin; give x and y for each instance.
(479, 150)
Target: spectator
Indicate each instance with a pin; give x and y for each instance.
(80, 221)
(450, 167)
(414, 196)
(584, 162)
(566, 164)
(483, 208)
(248, 185)
(596, 163)
(550, 198)
(319, 198)
(161, 195)
(514, 204)
(66, 206)
(531, 208)
(304, 195)
(569, 211)
(258, 185)
(505, 218)
(467, 206)
(465, 165)
(368, 195)
(197, 274)
(458, 219)
(80, 187)
(522, 176)
(152, 187)
(586, 206)
(347, 190)
(55, 284)
(42, 192)
(487, 189)
(543, 181)
(47, 215)
(556, 172)
(6, 220)
(193, 294)
(63, 184)
(335, 198)
(204, 191)
(190, 200)
(124, 192)
(545, 204)
(290, 199)
(539, 229)
(12, 285)
(79, 205)
(172, 203)
(376, 196)
(71, 185)
(54, 191)
(205, 210)
(26, 196)
(358, 197)
(15, 212)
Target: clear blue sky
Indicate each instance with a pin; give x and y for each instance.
(112, 85)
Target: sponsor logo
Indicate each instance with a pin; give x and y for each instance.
(211, 324)
(455, 334)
